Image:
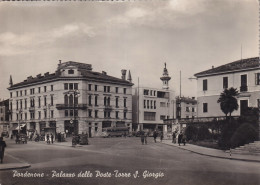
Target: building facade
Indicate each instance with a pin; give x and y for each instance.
(186, 107)
(244, 75)
(151, 106)
(4, 115)
(74, 99)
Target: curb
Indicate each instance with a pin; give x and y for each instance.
(13, 166)
(230, 158)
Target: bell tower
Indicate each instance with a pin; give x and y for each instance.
(165, 78)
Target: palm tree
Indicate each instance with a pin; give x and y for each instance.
(228, 101)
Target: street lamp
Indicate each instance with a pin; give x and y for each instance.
(75, 94)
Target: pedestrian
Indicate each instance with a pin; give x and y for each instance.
(145, 137)
(161, 136)
(174, 137)
(142, 137)
(52, 138)
(184, 139)
(2, 148)
(48, 139)
(154, 136)
(180, 138)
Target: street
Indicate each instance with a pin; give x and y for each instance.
(123, 161)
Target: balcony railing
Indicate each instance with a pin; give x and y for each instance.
(68, 106)
(243, 89)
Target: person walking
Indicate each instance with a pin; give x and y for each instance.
(2, 148)
(52, 137)
(161, 136)
(180, 138)
(142, 137)
(184, 139)
(48, 139)
(145, 138)
(154, 136)
(174, 137)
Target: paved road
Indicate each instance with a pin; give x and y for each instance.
(155, 163)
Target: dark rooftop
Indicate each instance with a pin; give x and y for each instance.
(86, 72)
(233, 66)
(186, 99)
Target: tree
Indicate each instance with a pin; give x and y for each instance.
(228, 101)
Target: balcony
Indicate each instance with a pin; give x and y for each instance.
(31, 109)
(67, 106)
(108, 108)
(243, 88)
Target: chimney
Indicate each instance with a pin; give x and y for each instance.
(123, 71)
(129, 76)
(212, 67)
(104, 73)
(29, 78)
(39, 75)
(46, 74)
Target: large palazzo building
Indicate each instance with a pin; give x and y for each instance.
(73, 99)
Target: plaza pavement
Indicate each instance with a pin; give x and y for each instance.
(11, 162)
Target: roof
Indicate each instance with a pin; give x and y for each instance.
(4, 103)
(186, 99)
(86, 73)
(244, 64)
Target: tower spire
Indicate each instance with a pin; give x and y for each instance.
(11, 81)
(165, 78)
(129, 78)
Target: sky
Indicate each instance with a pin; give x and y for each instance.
(140, 36)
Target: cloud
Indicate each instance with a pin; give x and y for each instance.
(14, 44)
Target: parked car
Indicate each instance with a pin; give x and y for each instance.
(5, 134)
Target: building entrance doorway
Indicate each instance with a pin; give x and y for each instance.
(243, 106)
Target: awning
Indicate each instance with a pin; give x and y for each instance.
(22, 125)
(14, 128)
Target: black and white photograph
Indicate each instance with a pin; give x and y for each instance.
(123, 92)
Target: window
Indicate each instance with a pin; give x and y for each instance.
(162, 104)
(71, 86)
(89, 87)
(105, 101)
(205, 85)
(71, 71)
(124, 102)
(17, 94)
(108, 101)
(51, 100)
(257, 78)
(162, 117)
(146, 92)
(144, 104)
(66, 113)
(225, 82)
(124, 90)
(21, 93)
(71, 112)
(151, 101)
(96, 87)
(45, 101)
(96, 113)
(147, 104)
(17, 104)
(39, 101)
(96, 100)
(25, 92)
(52, 113)
(89, 100)
(117, 113)
(51, 87)
(154, 104)
(76, 86)
(96, 127)
(39, 113)
(45, 114)
(39, 89)
(125, 114)
(116, 89)
(117, 102)
(11, 105)
(21, 104)
(45, 88)
(65, 86)
(187, 109)
(105, 88)
(66, 100)
(11, 94)
(205, 107)
(25, 116)
(108, 88)
(193, 109)
(90, 113)
(149, 116)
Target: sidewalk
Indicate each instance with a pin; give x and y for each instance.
(11, 162)
(213, 152)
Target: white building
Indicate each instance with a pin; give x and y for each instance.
(151, 106)
(244, 75)
(73, 99)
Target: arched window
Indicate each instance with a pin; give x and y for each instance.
(66, 101)
(71, 99)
